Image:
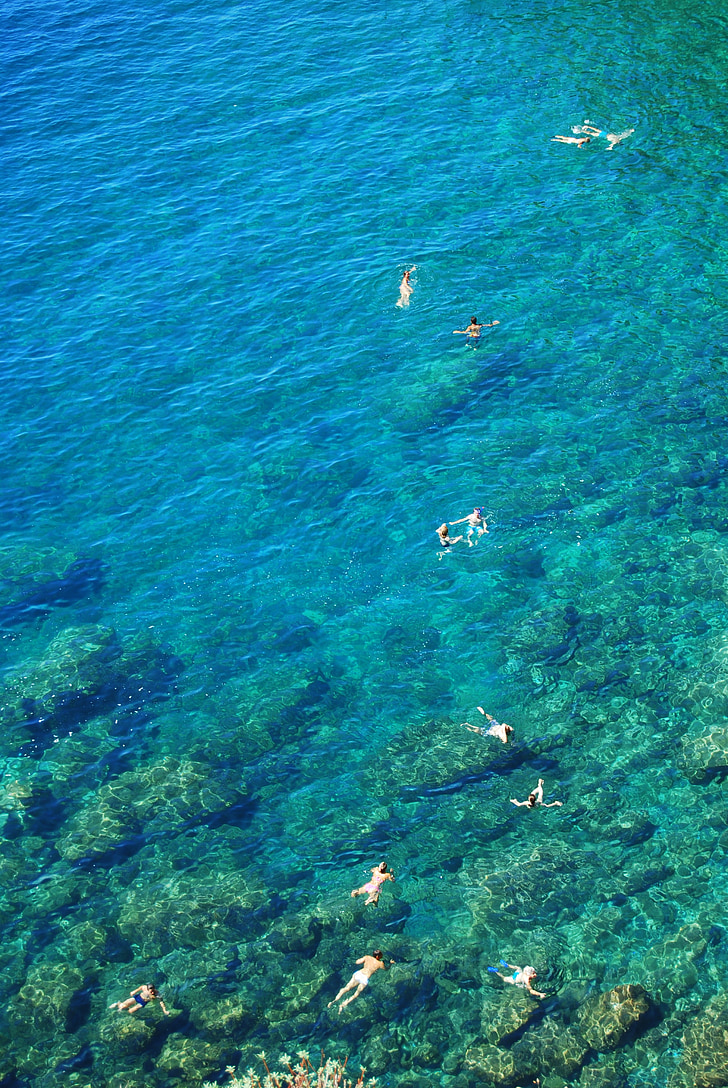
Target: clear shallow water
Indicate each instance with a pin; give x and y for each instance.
(209, 390)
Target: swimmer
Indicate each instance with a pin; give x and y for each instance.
(578, 140)
(405, 287)
(495, 729)
(522, 976)
(360, 979)
(475, 521)
(445, 539)
(138, 999)
(534, 798)
(473, 330)
(374, 886)
(614, 138)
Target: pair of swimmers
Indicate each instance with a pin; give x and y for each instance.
(585, 132)
(520, 976)
(503, 731)
(406, 288)
(476, 520)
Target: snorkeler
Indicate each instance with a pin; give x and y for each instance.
(360, 979)
(405, 287)
(522, 976)
(495, 729)
(138, 999)
(476, 520)
(373, 887)
(534, 798)
(578, 140)
(473, 330)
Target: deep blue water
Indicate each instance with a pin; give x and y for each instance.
(256, 688)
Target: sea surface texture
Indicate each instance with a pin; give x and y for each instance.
(235, 663)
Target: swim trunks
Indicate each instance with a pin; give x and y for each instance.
(361, 978)
(139, 1000)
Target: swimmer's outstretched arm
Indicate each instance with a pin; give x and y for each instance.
(553, 804)
(460, 520)
(519, 804)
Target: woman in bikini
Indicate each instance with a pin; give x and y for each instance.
(374, 886)
(138, 999)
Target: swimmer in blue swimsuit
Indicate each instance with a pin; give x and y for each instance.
(138, 999)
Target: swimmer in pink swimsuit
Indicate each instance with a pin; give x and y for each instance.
(374, 886)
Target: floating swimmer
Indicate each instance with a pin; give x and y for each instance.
(578, 140)
(445, 539)
(360, 979)
(495, 729)
(615, 138)
(473, 330)
(138, 998)
(373, 887)
(522, 976)
(476, 520)
(405, 287)
(534, 798)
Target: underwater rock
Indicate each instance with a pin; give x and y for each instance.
(705, 757)
(704, 1060)
(610, 1018)
(151, 919)
(556, 1048)
(161, 799)
(505, 1013)
(226, 1018)
(190, 1060)
(499, 1067)
(125, 1034)
(43, 1002)
(667, 970)
(82, 579)
(295, 933)
(76, 666)
(608, 1072)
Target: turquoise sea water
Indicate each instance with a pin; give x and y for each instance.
(250, 687)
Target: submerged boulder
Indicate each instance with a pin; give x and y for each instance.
(609, 1019)
(706, 756)
(502, 1068)
(76, 665)
(704, 1061)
